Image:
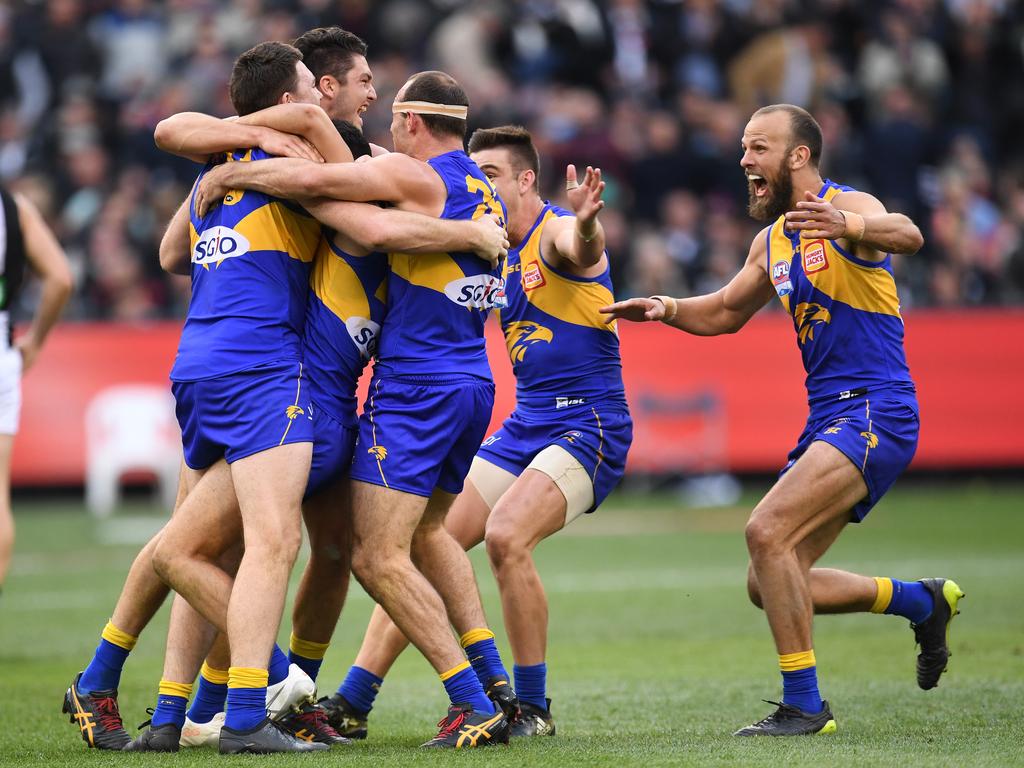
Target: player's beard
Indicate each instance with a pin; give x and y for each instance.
(776, 202)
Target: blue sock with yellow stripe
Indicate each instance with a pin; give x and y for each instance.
(210, 695)
(307, 655)
(463, 687)
(171, 700)
(800, 681)
(247, 698)
(909, 599)
(277, 669)
(360, 688)
(104, 671)
(483, 654)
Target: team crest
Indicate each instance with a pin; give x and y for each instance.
(379, 452)
(815, 259)
(522, 335)
(293, 412)
(809, 317)
(871, 437)
(532, 276)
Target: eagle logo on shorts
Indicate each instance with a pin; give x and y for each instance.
(871, 437)
(379, 452)
(293, 412)
(521, 335)
(807, 317)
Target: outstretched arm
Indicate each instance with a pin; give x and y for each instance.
(858, 218)
(724, 311)
(394, 178)
(580, 239)
(47, 260)
(286, 130)
(381, 229)
(175, 253)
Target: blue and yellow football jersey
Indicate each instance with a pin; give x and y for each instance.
(343, 322)
(845, 310)
(563, 352)
(251, 260)
(437, 303)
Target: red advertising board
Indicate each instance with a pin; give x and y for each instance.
(734, 402)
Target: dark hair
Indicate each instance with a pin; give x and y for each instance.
(262, 75)
(354, 137)
(804, 129)
(514, 138)
(329, 51)
(438, 88)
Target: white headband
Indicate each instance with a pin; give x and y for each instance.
(430, 108)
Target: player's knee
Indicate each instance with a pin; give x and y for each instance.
(753, 588)
(504, 545)
(762, 537)
(165, 561)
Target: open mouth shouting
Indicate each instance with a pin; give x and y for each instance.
(758, 184)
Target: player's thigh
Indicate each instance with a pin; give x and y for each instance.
(467, 519)
(270, 484)
(530, 511)
(810, 502)
(207, 521)
(328, 517)
(384, 519)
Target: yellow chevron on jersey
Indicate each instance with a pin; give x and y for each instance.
(273, 227)
(830, 270)
(572, 301)
(427, 270)
(338, 286)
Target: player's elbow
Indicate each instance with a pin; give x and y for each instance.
(163, 134)
(915, 240)
(61, 281)
(375, 235)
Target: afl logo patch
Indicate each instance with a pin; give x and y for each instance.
(532, 276)
(815, 259)
(780, 272)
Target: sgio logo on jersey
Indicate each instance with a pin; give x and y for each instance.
(217, 244)
(477, 292)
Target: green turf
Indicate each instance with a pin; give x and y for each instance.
(655, 655)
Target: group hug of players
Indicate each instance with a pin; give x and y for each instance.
(311, 252)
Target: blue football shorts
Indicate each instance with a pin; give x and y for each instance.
(243, 413)
(877, 432)
(333, 444)
(598, 436)
(418, 433)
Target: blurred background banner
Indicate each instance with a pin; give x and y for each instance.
(730, 404)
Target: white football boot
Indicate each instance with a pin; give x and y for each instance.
(291, 693)
(202, 734)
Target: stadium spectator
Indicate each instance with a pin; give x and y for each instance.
(896, 82)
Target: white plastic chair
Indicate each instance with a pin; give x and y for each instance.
(130, 427)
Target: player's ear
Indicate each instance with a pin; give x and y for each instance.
(799, 157)
(527, 179)
(327, 85)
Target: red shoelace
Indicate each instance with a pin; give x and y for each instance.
(107, 716)
(447, 725)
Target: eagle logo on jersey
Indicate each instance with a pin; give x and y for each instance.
(293, 412)
(807, 317)
(379, 452)
(871, 437)
(521, 335)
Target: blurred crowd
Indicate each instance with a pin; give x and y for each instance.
(921, 103)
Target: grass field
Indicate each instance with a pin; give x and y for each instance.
(655, 654)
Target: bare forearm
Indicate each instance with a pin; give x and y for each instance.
(309, 122)
(378, 229)
(587, 244)
(707, 315)
(195, 135)
(53, 297)
(891, 233)
(283, 177)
